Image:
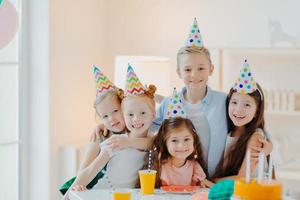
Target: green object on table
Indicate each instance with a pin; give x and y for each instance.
(64, 188)
(222, 190)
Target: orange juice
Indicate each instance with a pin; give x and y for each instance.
(147, 181)
(122, 195)
(257, 191)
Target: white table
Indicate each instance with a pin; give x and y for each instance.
(136, 195)
(102, 194)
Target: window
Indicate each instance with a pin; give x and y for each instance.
(9, 133)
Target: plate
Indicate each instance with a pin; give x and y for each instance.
(182, 189)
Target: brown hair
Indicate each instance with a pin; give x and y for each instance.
(231, 164)
(161, 153)
(148, 95)
(193, 50)
(119, 93)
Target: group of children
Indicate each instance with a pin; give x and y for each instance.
(197, 136)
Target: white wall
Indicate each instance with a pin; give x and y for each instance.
(83, 33)
(77, 42)
(159, 28)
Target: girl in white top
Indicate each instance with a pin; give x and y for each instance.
(245, 117)
(109, 108)
(138, 109)
(139, 112)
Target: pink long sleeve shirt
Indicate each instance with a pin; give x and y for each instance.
(188, 174)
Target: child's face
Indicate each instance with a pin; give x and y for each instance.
(194, 69)
(138, 115)
(242, 109)
(110, 113)
(180, 143)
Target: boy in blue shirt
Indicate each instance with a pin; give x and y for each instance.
(205, 107)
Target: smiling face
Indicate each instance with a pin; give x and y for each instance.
(194, 69)
(110, 113)
(180, 143)
(242, 109)
(138, 115)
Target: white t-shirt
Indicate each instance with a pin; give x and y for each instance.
(122, 169)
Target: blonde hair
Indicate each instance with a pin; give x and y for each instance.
(148, 95)
(117, 93)
(193, 50)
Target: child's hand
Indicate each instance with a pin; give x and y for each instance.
(267, 148)
(206, 183)
(117, 142)
(79, 188)
(97, 132)
(255, 145)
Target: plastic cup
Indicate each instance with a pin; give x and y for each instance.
(122, 194)
(147, 181)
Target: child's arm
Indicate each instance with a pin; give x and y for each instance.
(267, 147)
(92, 151)
(156, 123)
(254, 141)
(199, 177)
(86, 175)
(158, 98)
(206, 183)
(120, 142)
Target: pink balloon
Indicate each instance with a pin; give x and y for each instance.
(9, 23)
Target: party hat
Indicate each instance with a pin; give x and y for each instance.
(175, 107)
(245, 84)
(194, 39)
(103, 84)
(133, 84)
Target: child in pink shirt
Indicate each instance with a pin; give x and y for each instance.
(177, 150)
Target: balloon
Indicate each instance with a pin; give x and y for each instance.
(9, 22)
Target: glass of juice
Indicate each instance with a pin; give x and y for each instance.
(147, 181)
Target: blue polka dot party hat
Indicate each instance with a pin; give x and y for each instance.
(194, 39)
(175, 107)
(245, 83)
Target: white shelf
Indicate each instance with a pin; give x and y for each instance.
(284, 113)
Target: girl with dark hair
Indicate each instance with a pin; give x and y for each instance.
(178, 155)
(245, 117)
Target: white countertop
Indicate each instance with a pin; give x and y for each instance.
(136, 195)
